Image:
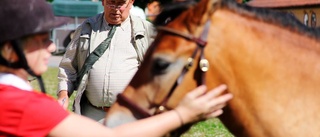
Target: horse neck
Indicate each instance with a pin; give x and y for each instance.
(265, 66)
(240, 43)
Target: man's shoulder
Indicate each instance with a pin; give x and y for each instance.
(91, 23)
(138, 19)
(138, 22)
(94, 19)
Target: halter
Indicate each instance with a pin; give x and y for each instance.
(203, 64)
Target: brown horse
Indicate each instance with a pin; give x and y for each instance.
(269, 60)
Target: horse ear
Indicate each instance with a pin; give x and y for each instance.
(204, 9)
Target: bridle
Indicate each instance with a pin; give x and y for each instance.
(203, 64)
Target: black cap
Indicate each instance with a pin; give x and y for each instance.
(25, 17)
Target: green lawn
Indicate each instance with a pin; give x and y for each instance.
(208, 128)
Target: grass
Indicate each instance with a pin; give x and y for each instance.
(209, 128)
(51, 84)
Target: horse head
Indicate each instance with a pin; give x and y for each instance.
(253, 51)
(156, 86)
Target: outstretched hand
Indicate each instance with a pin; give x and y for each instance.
(198, 105)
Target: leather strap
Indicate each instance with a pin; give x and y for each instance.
(106, 109)
(94, 56)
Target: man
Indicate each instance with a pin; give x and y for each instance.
(152, 9)
(109, 75)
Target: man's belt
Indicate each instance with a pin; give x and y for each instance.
(104, 108)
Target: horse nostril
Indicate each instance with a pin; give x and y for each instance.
(159, 66)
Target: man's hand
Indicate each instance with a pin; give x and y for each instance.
(63, 99)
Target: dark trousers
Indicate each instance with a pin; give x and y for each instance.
(90, 111)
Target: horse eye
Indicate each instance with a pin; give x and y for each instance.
(159, 66)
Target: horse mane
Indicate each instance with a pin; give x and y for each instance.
(279, 18)
(171, 11)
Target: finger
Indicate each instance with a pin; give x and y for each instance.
(223, 98)
(211, 95)
(65, 106)
(219, 100)
(217, 91)
(197, 92)
(217, 106)
(214, 113)
(63, 102)
(60, 102)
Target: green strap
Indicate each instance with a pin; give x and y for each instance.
(94, 56)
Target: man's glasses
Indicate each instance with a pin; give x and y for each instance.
(114, 6)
